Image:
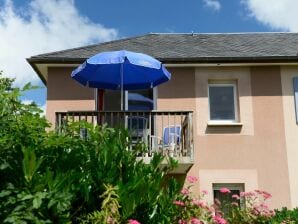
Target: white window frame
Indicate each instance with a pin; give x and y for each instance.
(154, 99)
(224, 84)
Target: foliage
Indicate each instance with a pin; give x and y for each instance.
(285, 216)
(253, 209)
(109, 210)
(191, 209)
(50, 177)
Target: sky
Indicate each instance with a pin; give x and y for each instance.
(31, 27)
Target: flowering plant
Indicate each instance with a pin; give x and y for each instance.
(194, 210)
(252, 208)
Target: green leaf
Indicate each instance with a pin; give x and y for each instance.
(4, 193)
(27, 197)
(37, 202)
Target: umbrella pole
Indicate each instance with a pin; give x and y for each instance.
(121, 74)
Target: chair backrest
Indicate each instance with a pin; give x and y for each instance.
(172, 134)
(136, 123)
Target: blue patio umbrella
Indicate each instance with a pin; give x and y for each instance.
(121, 70)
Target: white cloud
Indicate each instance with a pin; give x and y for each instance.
(277, 14)
(43, 26)
(41, 106)
(212, 4)
(27, 102)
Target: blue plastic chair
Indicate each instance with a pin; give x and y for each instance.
(172, 134)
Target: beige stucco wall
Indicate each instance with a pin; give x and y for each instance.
(179, 92)
(291, 128)
(248, 177)
(258, 147)
(65, 94)
(255, 153)
(241, 75)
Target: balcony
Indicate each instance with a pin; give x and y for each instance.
(166, 132)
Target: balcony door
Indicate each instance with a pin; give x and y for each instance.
(134, 100)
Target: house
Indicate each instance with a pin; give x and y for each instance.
(232, 94)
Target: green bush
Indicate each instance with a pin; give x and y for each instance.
(49, 177)
(285, 216)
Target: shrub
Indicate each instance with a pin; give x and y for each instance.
(48, 177)
(194, 210)
(285, 216)
(253, 209)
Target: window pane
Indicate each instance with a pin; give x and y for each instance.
(137, 100)
(112, 100)
(222, 105)
(140, 99)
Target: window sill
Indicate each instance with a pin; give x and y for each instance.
(224, 124)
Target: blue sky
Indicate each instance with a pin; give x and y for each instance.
(135, 17)
(30, 27)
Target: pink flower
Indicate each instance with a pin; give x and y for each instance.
(272, 213)
(217, 202)
(258, 191)
(192, 179)
(199, 203)
(247, 194)
(264, 206)
(195, 221)
(184, 191)
(266, 195)
(133, 221)
(236, 196)
(181, 221)
(204, 192)
(211, 209)
(219, 220)
(179, 203)
(234, 204)
(225, 190)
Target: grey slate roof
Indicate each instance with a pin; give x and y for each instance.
(191, 48)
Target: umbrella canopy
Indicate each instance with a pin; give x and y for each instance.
(123, 70)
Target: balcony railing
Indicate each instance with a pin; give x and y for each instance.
(166, 132)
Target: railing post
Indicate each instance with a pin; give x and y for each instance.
(190, 135)
(58, 122)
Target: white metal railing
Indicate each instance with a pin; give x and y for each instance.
(166, 132)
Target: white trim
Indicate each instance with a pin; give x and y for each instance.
(223, 123)
(126, 100)
(43, 67)
(227, 64)
(155, 96)
(224, 84)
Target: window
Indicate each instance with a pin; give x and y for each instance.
(132, 100)
(227, 198)
(223, 102)
(140, 100)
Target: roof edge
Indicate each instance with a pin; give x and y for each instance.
(60, 60)
(91, 45)
(44, 81)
